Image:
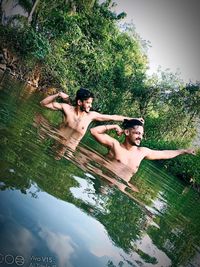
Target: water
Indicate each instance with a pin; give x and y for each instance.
(66, 212)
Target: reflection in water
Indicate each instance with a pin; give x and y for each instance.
(65, 145)
(55, 241)
(59, 244)
(65, 138)
(17, 237)
(73, 211)
(146, 246)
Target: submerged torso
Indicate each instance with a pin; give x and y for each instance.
(130, 158)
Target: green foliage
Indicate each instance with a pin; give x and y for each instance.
(26, 42)
(83, 48)
(185, 167)
(34, 44)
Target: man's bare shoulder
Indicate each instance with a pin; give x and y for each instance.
(116, 142)
(67, 107)
(93, 114)
(114, 145)
(144, 150)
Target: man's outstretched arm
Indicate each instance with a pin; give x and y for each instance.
(104, 117)
(49, 101)
(166, 154)
(99, 133)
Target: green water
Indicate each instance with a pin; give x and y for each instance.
(62, 213)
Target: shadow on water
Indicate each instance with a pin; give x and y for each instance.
(66, 207)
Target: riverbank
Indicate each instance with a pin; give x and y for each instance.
(13, 65)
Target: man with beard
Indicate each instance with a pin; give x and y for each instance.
(129, 153)
(77, 118)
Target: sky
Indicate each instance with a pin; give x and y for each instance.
(173, 29)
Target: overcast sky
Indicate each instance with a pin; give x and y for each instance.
(173, 29)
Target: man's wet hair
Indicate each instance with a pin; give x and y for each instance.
(83, 94)
(131, 123)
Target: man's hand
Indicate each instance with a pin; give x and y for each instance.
(118, 130)
(190, 151)
(140, 119)
(63, 95)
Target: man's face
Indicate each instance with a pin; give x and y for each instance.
(86, 105)
(135, 135)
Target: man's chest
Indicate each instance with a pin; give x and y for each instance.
(79, 123)
(129, 158)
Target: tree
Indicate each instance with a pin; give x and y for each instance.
(32, 11)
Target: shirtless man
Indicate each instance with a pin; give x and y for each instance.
(77, 118)
(129, 153)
